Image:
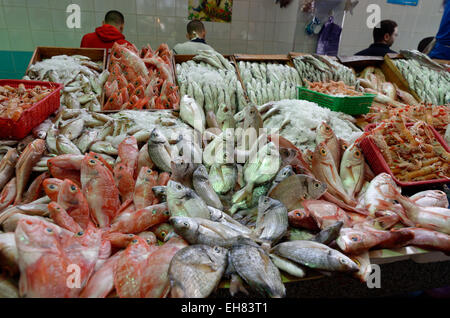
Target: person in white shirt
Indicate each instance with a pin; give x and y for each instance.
(196, 34)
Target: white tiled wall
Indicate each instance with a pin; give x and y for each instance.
(258, 26)
(415, 24)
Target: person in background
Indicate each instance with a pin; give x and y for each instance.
(109, 33)
(384, 38)
(426, 45)
(441, 49)
(196, 34)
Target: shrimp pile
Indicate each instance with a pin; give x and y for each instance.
(14, 101)
(436, 116)
(334, 89)
(141, 80)
(412, 151)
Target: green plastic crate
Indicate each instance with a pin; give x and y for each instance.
(352, 105)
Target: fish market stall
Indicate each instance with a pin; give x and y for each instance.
(203, 176)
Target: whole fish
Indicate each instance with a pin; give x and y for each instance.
(140, 220)
(9, 256)
(159, 151)
(144, 159)
(60, 216)
(433, 218)
(195, 271)
(255, 267)
(45, 250)
(287, 266)
(325, 170)
(428, 239)
(73, 201)
(52, 187)
(65, 146)
(357, 241)
(201, 231)
(50, 141)
(330, 234)
(143, 192)
(7, 167)
(192, 113)
(283, 174)
(7, 288)
(182, 171)
(73, 129)
(128, 152)
(100, 191)
(183, 201)
(10, 224)
(28, 159)
(41, 130)
(225, 219)
(272, 222)
(326, 134)
(431, 198)
(223, 177)
(124, 181)
(302, 218)
(86, 140)
(203, 187)
(315, 255)
(8, 195)
(104, 147)
(295, 189)
(352, 170)
(326, 214)
(379, 194)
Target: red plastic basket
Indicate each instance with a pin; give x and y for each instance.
(33, 116)
(379, 164)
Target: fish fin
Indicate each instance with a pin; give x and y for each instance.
(236, 285)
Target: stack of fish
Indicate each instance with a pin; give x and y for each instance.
(211, 80)
(430, 85)
(297, 121)
(320, 68)
(142, 80)
(268, 82)
(83, 79)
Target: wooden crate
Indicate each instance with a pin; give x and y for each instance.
(393, 75)
(41, 53)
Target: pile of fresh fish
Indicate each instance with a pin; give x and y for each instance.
(83, 79)
(298, 120)
(268, 82)
(141, 80)
(216, 90)
(430, 85)
(320, 68)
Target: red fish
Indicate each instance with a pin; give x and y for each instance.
(326, 214)
(34, 191)
(62, 218)
(429, 239)
(52, 187)
(8, 194)
(141, 220)
(100, 191)
(302, 219)
(72, 200)
(143, 193)
(129, 153)
(102, 160)
(124, 181)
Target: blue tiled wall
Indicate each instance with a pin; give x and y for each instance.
(13, 64)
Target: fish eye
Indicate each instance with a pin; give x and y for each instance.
(81, 233)
(92, 161)
(130, 235)
(154, 212)
(323, 152)
(163, 234)
(355, 239)
(49, 230)
(134, 241)
(149, 171)
(186, 224)
(357, 154)
(179, 187)
(299, 214)
(166, 213)
(51, 187)
(316, 185)
(73, 188)
(149, 241)
(305, 196)
(343, 261)
(217, 249)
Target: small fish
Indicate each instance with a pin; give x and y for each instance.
(72, 200)
(315, 255)
(325, 134)
(330, 234)
(295, 189)
(41, 130)
(182, 171)
(143, 192)
(378, 195)
(144, 159)
(104, 147)
(283, 174)
(287, 266)
(195, 271)
(65, 146)
(160, 151)
(203, 187)
(272, 222)
(352, 170)
(7, 167)
(202, 231)
(8, 194)
(326, 214)
(27, 160)
(431, 198)
(225, 219)
(192, 113)
(428, 239)
(86, 140)
(73, 129)
(255, 267)
(183, 201)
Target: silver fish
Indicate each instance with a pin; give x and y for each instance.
(287, 266)
(183, 201)
(223, 218)
(182, 171)
(272, 222)
(104, 147)
(159, 151)
(65, 146)
(283, 174)
(204, 189)
(315, 255)
(195, 271)
(73, 129)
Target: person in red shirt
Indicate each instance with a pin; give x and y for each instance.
(109, 33)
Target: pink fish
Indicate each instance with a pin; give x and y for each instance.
(326, 214)
(143, 192)
(71, 199)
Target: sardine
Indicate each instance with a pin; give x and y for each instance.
(195, 271)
